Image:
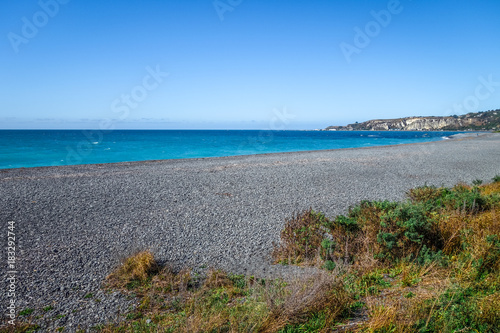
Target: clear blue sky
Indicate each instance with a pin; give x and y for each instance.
(287, 64)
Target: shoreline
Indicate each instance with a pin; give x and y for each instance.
(459, 136)
(74, 223)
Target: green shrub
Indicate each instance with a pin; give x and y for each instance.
(404, 228)
(425, 193)
(462, 309)
(409, 295)
(349, 225)
(239, 281)
(329, 265)
(426, 256)
(328, 244)
(371, 283)
(460, 197)
(26, 312)
(327, 249)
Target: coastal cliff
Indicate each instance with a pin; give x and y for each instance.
(488, 120)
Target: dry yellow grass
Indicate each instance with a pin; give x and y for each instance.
(137, 267)
(320, 292)
(217, 279)
(491, 188)
(398, 307)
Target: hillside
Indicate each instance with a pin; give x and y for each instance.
(474, 121)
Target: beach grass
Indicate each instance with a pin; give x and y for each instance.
(430, 264)
(221, 302)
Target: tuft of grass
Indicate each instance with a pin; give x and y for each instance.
(477, 182)
(48, 308)
(20, 327)
(26, 312)
(322, 294)
(302, 239)
(136, 269)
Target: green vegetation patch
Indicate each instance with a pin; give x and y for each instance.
(427, 264)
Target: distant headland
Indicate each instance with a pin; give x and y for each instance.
(474, 121)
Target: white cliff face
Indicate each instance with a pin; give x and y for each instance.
(432, 123)
(416, 123)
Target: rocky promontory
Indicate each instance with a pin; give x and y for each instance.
(488, 120)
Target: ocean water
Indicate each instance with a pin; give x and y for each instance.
(32, 148)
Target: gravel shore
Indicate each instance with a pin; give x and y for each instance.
(74, 224)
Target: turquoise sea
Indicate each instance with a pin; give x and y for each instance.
(31, 148)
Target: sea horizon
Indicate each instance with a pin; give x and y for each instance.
(25, 148)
